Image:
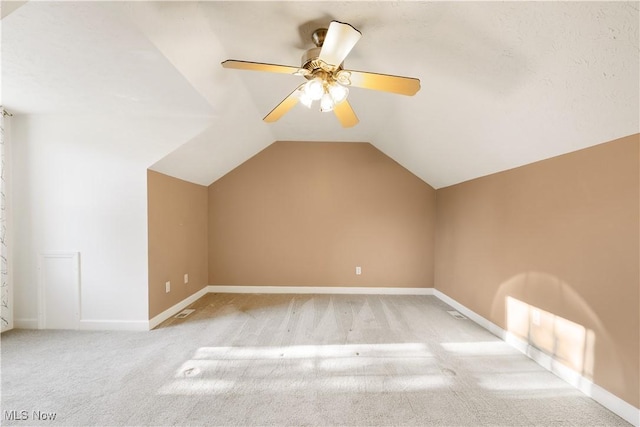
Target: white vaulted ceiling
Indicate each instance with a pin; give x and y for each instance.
(503, 83)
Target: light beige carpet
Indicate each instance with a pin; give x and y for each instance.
(302, 360)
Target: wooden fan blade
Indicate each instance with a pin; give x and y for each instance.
(345, 114)
(385, 82)
(259, 66)
(281, 109)
(338, 42)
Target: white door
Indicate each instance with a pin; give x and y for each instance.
(59, 290)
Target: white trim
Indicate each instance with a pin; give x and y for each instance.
(177, 307)
(25, 323)
(613, 403)
(489, 326)
(607, 399)
(317, 290)
(113, 325)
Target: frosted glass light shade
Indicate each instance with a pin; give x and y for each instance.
(326, 103)
(314, 89)
(305, 99)
(338, 92)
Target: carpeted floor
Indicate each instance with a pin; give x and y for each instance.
(320, 360)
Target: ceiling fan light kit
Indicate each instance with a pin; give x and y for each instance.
(327, 80)
(326, 90)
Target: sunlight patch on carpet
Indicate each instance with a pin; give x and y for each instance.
(374, 368)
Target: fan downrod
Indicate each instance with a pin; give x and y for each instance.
(318, 36)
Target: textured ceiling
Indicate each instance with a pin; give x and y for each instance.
(503, 83)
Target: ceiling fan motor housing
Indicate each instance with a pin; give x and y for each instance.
(310, 61)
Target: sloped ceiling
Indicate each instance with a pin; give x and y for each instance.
(503, 83)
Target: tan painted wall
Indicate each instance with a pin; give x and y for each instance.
(306, 214)
(558, 243)
(177, 223)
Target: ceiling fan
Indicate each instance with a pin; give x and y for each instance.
(327, 80)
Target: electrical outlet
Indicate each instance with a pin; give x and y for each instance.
(358, 271)
(167, 287)
(186, 278)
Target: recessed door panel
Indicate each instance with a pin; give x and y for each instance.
(59, 290)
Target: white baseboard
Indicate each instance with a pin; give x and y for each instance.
(607, 399)
(113, 325)
(317, 290)
(92, 325)
(25, 323)
(613, 403)
(171, 311)
(488, 325)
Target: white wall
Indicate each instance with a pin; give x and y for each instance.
(80, 185)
